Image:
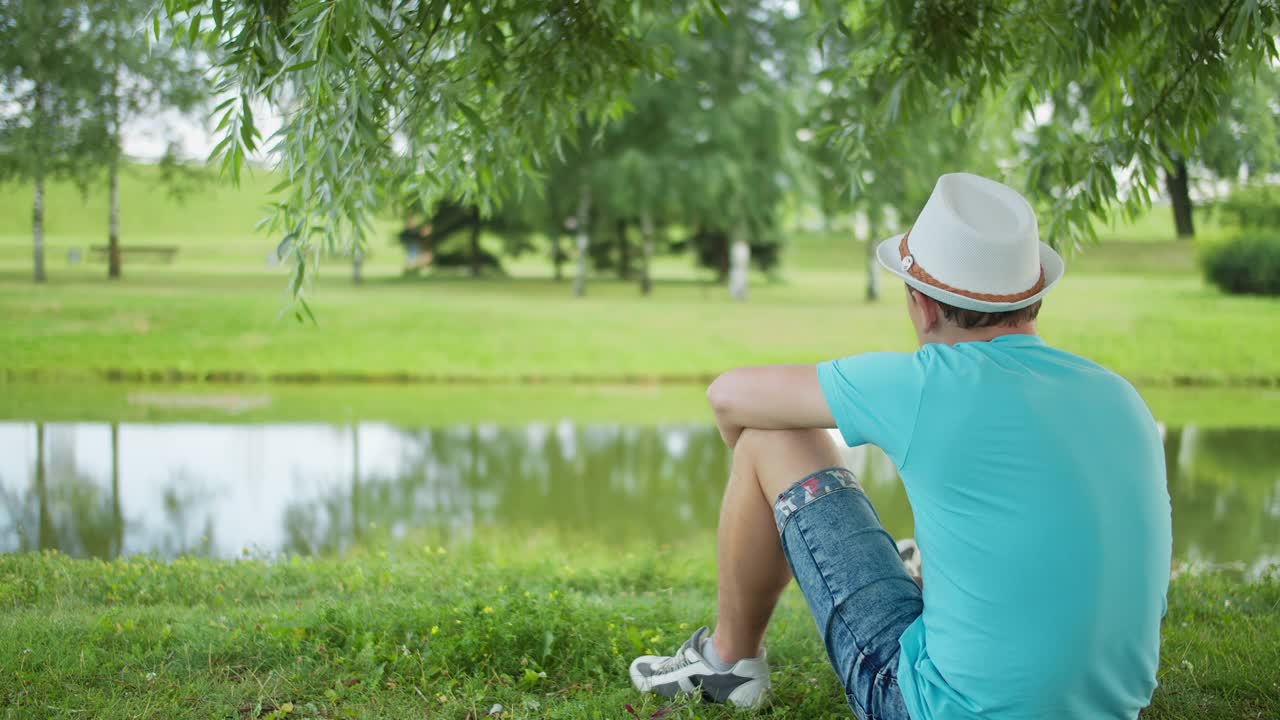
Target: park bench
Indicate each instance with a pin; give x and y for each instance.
(159, 253)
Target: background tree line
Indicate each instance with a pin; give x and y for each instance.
(642, 126)
(73, 74)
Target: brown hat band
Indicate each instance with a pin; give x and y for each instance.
(912, 268)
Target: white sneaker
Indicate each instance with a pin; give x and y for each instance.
(745, 684)
(910, 554)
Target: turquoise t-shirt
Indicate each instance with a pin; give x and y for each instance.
(1037, 482)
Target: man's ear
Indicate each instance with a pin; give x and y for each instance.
(929, 310)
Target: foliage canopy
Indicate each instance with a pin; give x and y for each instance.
(394, 98)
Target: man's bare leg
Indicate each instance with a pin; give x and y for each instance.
(752, 569)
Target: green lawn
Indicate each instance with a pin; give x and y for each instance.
(1132, 303)
(1157, 329)
(542, 628)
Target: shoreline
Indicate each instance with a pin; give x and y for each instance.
(173, 376)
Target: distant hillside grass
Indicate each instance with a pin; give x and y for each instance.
(209, 209)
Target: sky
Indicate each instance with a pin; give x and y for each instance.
(147, 137)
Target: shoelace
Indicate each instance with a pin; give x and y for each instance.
(677, 661)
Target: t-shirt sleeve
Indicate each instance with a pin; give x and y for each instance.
(874, 398)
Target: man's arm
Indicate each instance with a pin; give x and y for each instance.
(768, 397)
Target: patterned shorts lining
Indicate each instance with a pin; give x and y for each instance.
(809, 489)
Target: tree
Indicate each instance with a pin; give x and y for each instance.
(901, 164)
(47, 84)
(420, 98)
(137, 77)
(713, 150)
(1243, 141)
(434, 96)
(1155, 85)
(560, 198)
(737, 155)
(900, 177)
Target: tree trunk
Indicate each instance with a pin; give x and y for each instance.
(722, 257)
(624, 252)
(113, 219)
(584, 219)
(646, 252)
(113, 184)
(739, 263)
(37, 204)
(557, 255)
(37, 227)
(873, 265)
(1180, 195)
(475, 244)
(357, 262)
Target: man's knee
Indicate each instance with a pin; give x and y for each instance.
(781, 457)
(752, 440)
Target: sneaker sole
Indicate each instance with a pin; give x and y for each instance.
(751, 695)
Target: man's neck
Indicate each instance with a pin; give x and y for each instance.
(952, 335)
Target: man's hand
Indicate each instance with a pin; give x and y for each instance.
(769, 397)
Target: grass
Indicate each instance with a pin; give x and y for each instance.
(442, 405)
(1132, 303)
(542, 628)
(1154, 330)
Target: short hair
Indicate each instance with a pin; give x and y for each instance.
(972, 319)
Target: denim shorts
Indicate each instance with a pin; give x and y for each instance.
(861, 596)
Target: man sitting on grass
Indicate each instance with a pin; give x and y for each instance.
(1036, 478)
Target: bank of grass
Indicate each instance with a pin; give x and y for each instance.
(505, 404)
(1166, 329)
(539, 627)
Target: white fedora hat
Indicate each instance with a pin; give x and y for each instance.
(975, 245)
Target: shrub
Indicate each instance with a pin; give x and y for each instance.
(1249, 263)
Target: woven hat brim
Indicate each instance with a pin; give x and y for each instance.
(1050, 260)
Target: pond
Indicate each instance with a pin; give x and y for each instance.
(224, 489)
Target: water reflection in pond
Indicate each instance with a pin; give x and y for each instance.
(96, 489)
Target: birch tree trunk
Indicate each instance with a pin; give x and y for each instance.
(37, 225)
(113, 185)
(584, 212)
(646, 252)
(37, 203)
(113, 219)
(739, 262)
